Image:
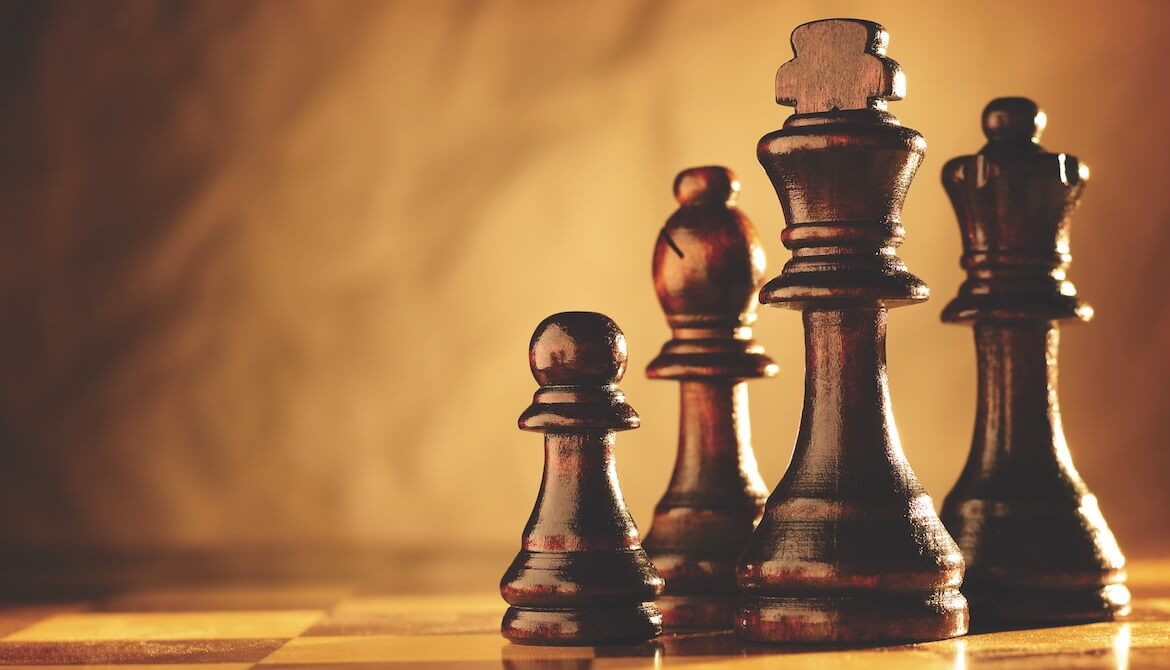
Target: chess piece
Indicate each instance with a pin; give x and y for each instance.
(581, 576)
(1037, 549)
(708, 265)
(849, 549)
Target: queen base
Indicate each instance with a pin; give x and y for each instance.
(998, 606)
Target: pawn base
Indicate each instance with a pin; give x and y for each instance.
(853, 619)
(995, 607)
(582, 626)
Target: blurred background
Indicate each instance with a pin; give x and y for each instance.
(268, 270)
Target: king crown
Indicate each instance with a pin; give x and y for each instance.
(841, 167)
(839, 65)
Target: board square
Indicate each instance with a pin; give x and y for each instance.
(108, 626)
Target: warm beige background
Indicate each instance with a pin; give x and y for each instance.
(269, 268)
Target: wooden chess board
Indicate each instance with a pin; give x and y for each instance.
(337, 625)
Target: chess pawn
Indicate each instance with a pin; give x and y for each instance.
(708, 265)
(849, 549)
(581, 576)
(1037, 549)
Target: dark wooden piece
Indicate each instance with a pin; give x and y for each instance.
(849, 550)
(1037, 548)
(581, 576)
(708, 265)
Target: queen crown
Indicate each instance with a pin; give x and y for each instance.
(1014, 202)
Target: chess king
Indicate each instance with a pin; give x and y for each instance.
(1037, 548)
(849, 549)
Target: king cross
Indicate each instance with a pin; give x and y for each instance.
(839, 64)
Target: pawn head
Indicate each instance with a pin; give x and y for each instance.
(1013, 121)
(577, 349)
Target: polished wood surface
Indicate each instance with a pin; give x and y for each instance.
(708, 265)
(351, 625)
(581, 576)
(1037, 548)
(849, 549)
(839, 65)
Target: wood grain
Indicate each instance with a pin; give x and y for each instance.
(1037, 547)
(582, 576)
(708, 266)
(849, 550)
(840, 65)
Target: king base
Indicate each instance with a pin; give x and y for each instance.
(853, 619)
